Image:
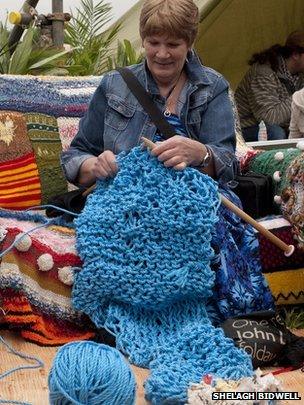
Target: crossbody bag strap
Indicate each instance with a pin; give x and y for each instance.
(147, 103)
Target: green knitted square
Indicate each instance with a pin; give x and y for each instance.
(44, 136)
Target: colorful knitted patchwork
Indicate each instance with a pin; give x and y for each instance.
(68, 128)
(68, 96)
(19, 180)
(293, 198)
(144, 238)
(35, 283)
(267, 162)
(14, 142)
(19, 183)
(44, 136)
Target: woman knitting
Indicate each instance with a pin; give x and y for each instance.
(195, 100)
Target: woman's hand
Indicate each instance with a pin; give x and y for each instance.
(100, 167)
(105, 165)
(179, 152)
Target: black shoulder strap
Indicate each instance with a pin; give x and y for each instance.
(147, 103)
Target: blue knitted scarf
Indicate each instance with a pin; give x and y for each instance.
(144, 238)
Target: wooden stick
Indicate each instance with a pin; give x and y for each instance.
(288, 249)
(88, 190)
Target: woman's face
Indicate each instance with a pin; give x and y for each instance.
(165, 57)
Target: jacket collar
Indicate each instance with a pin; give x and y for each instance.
(196, 73)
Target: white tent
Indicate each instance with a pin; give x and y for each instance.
(232, 30)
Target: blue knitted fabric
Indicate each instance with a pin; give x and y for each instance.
(144, 238)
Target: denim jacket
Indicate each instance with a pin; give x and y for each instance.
(116, 121)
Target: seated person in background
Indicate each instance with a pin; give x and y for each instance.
(296, 128)
(264, 94)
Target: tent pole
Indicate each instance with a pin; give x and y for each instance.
(57, 23)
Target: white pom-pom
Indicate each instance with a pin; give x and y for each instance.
(277, 199)
(45, 262)
(3, 233)
(300, 145)
(66, 275)
(24, 243)
(279, 156)
(277, 176)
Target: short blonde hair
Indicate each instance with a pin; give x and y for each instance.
(176, 18)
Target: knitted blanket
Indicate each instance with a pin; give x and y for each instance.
(144, 239)
(38, 118)
(68, 96)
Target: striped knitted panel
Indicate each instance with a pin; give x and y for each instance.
(37, 326)
(19, 183)
(14, 142)
(35, 284)
(44, 136)
(68, 96)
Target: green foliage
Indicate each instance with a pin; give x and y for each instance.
(84, 34)
(27, 57)
(91, 47)
(125, 56)
(4, 60)
(294, 317)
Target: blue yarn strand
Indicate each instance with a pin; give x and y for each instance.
(19, 238)
(52, 206)
(13, 370)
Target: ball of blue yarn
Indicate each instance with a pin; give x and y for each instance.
(90, 373)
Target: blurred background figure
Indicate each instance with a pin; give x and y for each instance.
(296, 128)
(265, 92)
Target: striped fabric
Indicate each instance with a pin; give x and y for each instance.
(261, 95)
(38, 302)
(19, 183)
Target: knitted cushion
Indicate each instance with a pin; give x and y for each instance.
(144, 238)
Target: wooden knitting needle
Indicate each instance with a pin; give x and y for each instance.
(288, 249)
(88, 190)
